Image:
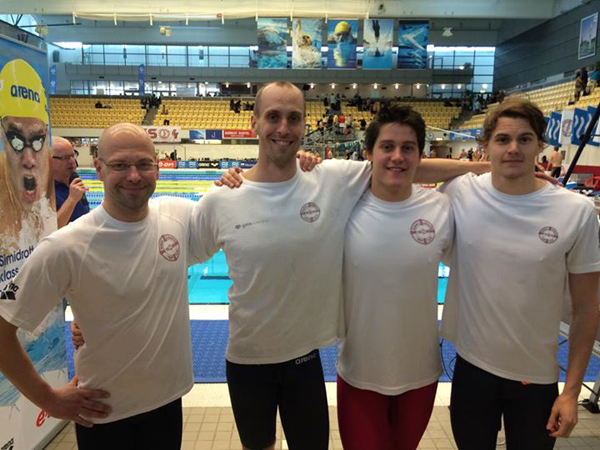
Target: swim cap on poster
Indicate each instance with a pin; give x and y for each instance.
(22, 92)
(342, 28)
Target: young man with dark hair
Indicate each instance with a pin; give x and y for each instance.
(395, 238)
(514, 256)
(283, 235)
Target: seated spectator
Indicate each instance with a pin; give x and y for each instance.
(98, 104)
(579, 86)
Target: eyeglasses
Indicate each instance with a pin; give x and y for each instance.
(144, 166)
(18, 142)
(65, 157)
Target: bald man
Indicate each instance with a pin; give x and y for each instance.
(70, 193)
(123, 268)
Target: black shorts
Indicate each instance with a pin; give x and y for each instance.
(160, 428)
(297, 387)
(555, 172)
(480, 400)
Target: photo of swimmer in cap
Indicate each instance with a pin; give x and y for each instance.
(341, 40)
(26, 187)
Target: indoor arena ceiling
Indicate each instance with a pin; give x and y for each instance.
(194, 10)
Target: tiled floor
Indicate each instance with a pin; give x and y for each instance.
(212, 427)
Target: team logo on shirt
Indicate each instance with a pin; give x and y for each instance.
(422, 231)
(548, 235)
(310, 212)
(168, 246)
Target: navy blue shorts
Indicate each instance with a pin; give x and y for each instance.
(296, 387)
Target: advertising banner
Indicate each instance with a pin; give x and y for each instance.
(595, 138)
(163, 134)
(272, 36)
(566, 127)
(167, 164)
(28, 214)
(208, 164)
(378, 36)
(239, 134)
(588, 32)
(214, 135)
(413, 37)
(307, 38)
(342, 36)
(142, 79)
(197, 135)
(581, 121)
(553, 129)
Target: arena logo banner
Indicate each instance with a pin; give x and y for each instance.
(342, 36)
(141, 79)
(239, 134)
(378, 36)
(307, 38)
(553, 129)
(164, 134)
(28, 214)
(595, 138)
(197, 135)
(588, 32)
(413, 37)
(581, 120)
(208, 165)
(272, 36)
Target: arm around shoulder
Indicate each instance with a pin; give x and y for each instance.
(438, 170)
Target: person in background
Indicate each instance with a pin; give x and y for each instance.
(69, 189)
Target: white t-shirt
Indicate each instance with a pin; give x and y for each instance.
(391, 258)
(127, 285)
(509, 273)
(284, 246)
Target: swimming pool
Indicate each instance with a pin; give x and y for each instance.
(208, 282)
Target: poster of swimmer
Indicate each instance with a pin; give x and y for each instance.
(307, 37)
(28, 214)
(342, 36)
(378, 36)
(272, 35)
(413, 38)
(587, 36)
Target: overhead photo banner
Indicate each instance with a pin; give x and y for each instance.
(307, 38)
(272, 36)
(28, 214)
(378, 36)
(342, 36)
(413, 37)
(588, 32)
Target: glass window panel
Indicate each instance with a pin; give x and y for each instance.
(111, 48)
(157, 60)
(177, 60)
(97, 48)
(484, 60)
(218, 50)
(135, 49)
(462, 58)
(482, 79)
(130, 86)
(114, 59)
(176, 50)
(239, 61)
(77, 84)
(218, 61)
(97, 58)
(116, 88)
(135, 60)
(239, 51)
(484, 70)
(157, 49)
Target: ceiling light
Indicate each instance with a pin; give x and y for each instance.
(485, 86)
(375, 86)
(227, 84)
(248, 85)
(447, 32)
(443, 86)
(353, 85)
(312, 85)
(396, 85)
(459, 86)
(418, 86)
(332, 85)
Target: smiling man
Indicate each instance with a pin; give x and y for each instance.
(520, 242)
(123, 268)
(282, 232)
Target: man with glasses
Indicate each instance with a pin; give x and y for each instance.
(69, 189)
(123, 268)
(26, 187)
